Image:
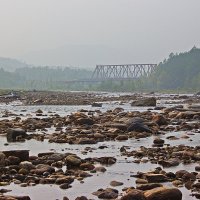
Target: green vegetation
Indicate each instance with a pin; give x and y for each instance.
(180, 72)
(41, 78)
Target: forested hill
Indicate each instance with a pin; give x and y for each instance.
(10, 64)
(47, 78)
(179, 71)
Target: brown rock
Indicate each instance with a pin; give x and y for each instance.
(134, 195)
(148, 186)
(73, 161)
(13, 160)
(155, 178)
(116, 183)
(13, 133)
(151, 101)
(160, 120)
(23, 155)
(81, 198)
(163, 193)
(122, 137)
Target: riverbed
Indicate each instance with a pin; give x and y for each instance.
(120, 171)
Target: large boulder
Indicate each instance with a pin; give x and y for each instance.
(23, 155)
(151, 101)
(14, 133)
(163, 193)
(73, 161)
(137, 124)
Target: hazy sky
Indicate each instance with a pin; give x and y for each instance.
(149, 29)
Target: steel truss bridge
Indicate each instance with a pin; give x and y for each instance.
(119, 72)
(115, 72)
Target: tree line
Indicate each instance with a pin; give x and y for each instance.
(179, 72)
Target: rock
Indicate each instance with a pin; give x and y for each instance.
(155, 178)
(119, 126)
(2, 159)
(108, 160)
(39, 111)
(141, 181)
(26, 165)
(96, 104)
(45, 154)
(64, 179)
(4, 190)
(163, 193)
(177, 183)
(100, 169)
(13, 160)
(116, 183)
(87, 166)
(13, 133)
(170, 163)
(23, 171)
(86, 141)
(23, 185)
(42, 168)
(108, 193)
(148, 186)
(55, 157)
(23, 155)
(151, 101)
(189, 177)
(84, 174)
(181, 173)
(158, 141)
(138, 125)
(64, 186)
(73, 161)
(122, 137)
(197, 168)
(134, 195)
(160, 120)
(15, 198)
(81, 198)
(84, 121)
(99, 136)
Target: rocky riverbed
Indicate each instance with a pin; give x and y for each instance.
(100, 146)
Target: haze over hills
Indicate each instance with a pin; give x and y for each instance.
(11, 65)
(83, 56)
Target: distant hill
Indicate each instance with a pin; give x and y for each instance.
(11, 65)
(179, 71)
